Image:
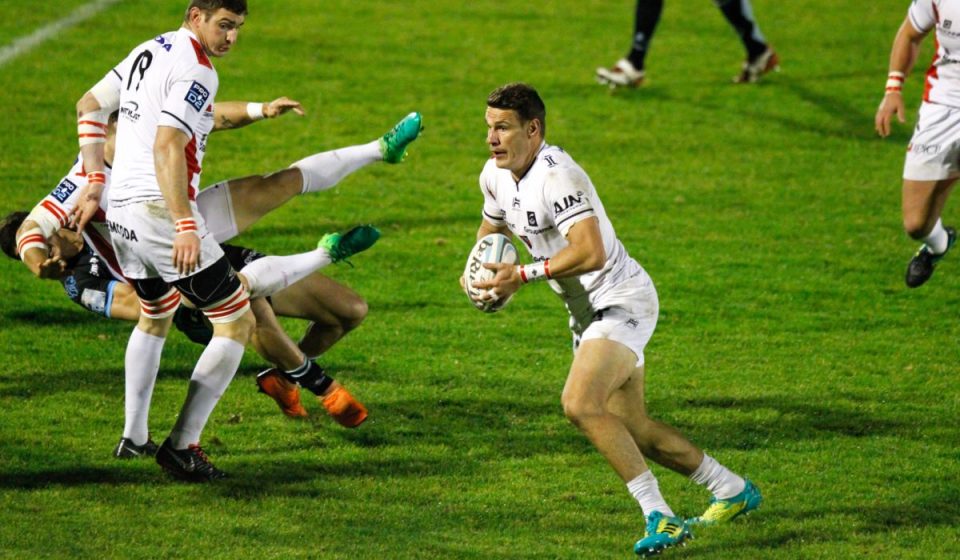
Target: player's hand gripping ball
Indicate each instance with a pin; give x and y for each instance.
(493, 248)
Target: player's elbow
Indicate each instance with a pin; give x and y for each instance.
(87, 104)
(595, 259)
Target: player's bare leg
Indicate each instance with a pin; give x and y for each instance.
(923, 203)
(659, 442)
(599, 369)
(333, 309)
(273, 344)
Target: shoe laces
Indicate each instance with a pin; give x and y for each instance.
(198, 452)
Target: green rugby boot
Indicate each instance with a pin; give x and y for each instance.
(721, 511)
(342, 246)
(393, 144)
(662, 532)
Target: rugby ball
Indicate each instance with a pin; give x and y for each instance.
(493, 248)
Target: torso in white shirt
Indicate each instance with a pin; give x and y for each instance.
(166, 81)
(549, 199)
(942, 84)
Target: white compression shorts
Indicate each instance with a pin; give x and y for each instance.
(216, 207)
(631, 324)
(934, 150)
(143, 233)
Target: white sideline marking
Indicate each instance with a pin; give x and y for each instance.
(26, 44)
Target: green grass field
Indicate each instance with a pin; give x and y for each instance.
(768, 216)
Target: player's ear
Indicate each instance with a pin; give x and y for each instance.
(533, 127)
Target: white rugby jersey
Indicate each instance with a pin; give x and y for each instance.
(942, 83)
(554, 195)
(54, 211)
(166, 81)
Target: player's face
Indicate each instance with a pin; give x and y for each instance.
(217, 31)
(513, 143)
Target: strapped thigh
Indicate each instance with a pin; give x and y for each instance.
(217, 291)
(158, 300)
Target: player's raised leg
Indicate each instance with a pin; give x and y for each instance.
(923, 203)
(230, 207)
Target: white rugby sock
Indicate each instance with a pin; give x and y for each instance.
(718, 479)
(141, 364)
(269, 275)
(213, 373)
(937, 239)
(324, 170)
(646, 490)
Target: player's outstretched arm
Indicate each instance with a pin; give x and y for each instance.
(235, 114)
(906, 46)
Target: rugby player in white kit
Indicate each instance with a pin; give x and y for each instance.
(536, 192)
(933, 156)
(165, 89)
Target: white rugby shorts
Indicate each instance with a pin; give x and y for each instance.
(142, 235)
(934, 150)
(629, 323)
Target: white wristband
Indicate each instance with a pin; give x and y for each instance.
(534, 272)
(255, 111)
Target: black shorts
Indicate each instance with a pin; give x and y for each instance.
(190, 321)
(90, 284)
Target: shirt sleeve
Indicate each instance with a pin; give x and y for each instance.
(567, 192)
(187, 100)
(923, 15)
(492, 211)
(53, 212)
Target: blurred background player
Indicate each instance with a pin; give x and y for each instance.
(629, 71)
(537, 193)
(933, 154)
(332, 308)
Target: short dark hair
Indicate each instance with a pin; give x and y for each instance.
(238, 7)
(8, 233)
(523, 99)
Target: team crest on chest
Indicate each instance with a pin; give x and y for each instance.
(532, 219)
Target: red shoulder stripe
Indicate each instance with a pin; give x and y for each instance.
(201, 56)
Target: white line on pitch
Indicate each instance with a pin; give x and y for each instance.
(26, 44)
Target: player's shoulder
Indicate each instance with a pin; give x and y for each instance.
(188, 54)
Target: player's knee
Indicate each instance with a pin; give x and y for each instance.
(580, 409)
(240, 328)
(356, 313)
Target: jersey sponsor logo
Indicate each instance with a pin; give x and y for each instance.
(166, 46)
(924, 149)
(567, 203)
(130, 110)
(197, 96)
(63, 191)
(119, 230)
(532, 218)
(536, 231)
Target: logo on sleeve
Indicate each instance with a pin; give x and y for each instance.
(568, 203)
(63, 191)
(197, 96)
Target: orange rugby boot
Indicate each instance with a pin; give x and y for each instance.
(341, 405)
(272, 383)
